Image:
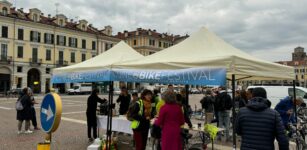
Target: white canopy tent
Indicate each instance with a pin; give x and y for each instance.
(119, 53)
(205, 49)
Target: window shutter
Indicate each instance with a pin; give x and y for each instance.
(76, 42)
(45, 37)
(69, 41)
(52, 38)
(39, 37)
(57, 39)
(64, 40)
(31, 36)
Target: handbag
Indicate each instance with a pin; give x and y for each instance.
(19, 105)
(155, 131)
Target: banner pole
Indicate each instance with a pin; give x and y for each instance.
(233, 112)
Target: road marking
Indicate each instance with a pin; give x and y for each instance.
(73, 120)
(6, 108)
(76, 112)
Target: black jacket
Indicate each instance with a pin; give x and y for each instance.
(259, 126)
(223, 101)
(92, 104)
(207, 103)
(124, 103)
(26, 113)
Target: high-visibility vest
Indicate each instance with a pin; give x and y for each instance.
(135, 124)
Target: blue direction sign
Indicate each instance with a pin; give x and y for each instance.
(50, 112)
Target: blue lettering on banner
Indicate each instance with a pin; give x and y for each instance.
(192, 76)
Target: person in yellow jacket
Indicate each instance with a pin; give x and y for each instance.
(141, 115)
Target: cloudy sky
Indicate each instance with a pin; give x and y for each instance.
(268, 29)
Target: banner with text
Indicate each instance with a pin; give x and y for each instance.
(192, 76)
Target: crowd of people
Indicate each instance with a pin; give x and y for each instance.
(255, 121)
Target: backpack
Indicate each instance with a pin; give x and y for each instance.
(19, 105)
(224, 102)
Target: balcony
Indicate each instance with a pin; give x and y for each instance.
(35, 62)
(5, 59)
(61, 63)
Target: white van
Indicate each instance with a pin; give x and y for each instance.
(276, 93)
(83, 88)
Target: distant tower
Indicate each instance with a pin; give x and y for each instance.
(298, 54)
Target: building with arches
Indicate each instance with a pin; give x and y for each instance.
(32, 44)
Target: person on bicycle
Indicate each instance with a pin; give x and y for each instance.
(285, 108)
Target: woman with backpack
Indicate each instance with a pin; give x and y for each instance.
(26, 113)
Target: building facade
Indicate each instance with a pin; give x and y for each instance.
(148, 42)
(32, 44)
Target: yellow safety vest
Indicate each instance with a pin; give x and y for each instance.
(135, 124)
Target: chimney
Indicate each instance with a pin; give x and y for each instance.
(71, 20)
(21, 9)
(42, 14)
(49, 15)
(90, 25)
(139, 29)
(154, 30)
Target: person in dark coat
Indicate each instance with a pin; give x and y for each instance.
(207, 103)
(92, 101)
(26, 113)
(34, 121)
(181, 100)
(259, 125)
(124, 100)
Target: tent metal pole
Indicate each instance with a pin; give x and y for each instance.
(187, 94)
(233, 112)
(294, 107)
(109, 118)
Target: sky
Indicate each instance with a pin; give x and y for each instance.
(267, 29)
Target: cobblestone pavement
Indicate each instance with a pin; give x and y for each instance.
(71, 134)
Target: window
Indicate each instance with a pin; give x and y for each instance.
(47, 70)
(48, 54)
(4, 31)
(134, 42)
(93, 45)
(4, 11)
(302, 76)
(151, 42)
(34, 55)
(83, 27)
(49, 38)
(151, 53)
(35, 17)
(72, 57)
(165, 45)
(61, 40)
(160, 44)
(3, 52)
(83, 44)
(73, 42)
(35, 36)
(19, 68)
(20, 34)
(83, 57)
(20, 51)
(19, 82)
(61, 22)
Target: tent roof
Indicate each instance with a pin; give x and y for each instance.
(206, 49)
(120, 52)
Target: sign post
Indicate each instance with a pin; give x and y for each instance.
(50, 116)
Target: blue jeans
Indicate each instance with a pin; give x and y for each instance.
(224, 121)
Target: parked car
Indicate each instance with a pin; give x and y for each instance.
(195, 91)
(14, 92)
(116, 91)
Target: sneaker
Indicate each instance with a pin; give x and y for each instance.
(19, 132)
(28, 132)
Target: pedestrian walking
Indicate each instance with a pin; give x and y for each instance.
(26, 113)
(259, 125)
(207, 103)
(124, 100)
(170, 119)
(224, 104)
(141, 115)
(92, 101)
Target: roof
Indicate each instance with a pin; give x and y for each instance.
(293, 63)
(149, 32)
(206, 49)
(19, 14)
